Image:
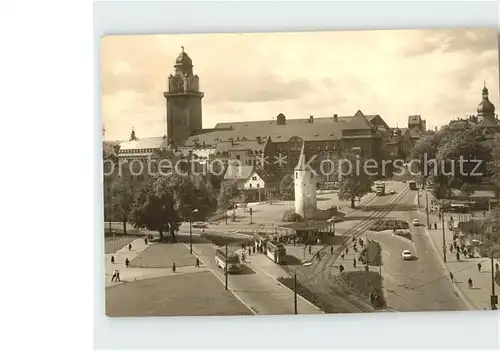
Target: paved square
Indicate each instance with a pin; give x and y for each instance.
(163, 256)
(196, 294)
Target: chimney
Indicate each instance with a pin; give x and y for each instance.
(311, 119)
(335, 118)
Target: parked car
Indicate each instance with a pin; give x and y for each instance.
(416, 222)
(392, 192)
(406, 255)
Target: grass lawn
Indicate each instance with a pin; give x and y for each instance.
(162, 255)
(120, 241)
(363, 283)
(196, 294)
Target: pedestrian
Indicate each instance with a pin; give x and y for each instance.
(452, 278)
(341, 268)
(310, 249)
(470, 283)
(346, 250)
(173, 267)
(118, 276)
(249, 251)
(318, 242)
(484, 214)
(435, 226)
(127, 262)
(114, 275)
(439, 216)
(243, 257)
(112, 259)
(331, 250)
(146, 240)
(197, 262)
(130, 247)
(497, 266)
(319, 256)
(458, 256)
(479, 267)
(355, 248)
(253, 249)
(451, 248)
(354, 262)
(342, 256)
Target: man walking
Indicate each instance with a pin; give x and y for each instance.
(114, 275)
(127, 262)
(452, 278)
(197, 262)
(479, 267)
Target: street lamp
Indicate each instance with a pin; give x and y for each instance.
(191, 230)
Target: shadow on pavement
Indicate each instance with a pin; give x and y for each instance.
(292, 261)
(244, 270)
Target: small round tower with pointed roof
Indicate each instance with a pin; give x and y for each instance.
(305, 187)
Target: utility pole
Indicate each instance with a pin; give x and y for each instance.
(225, 266)
(444, 239)
(295, 292)
(494, 298)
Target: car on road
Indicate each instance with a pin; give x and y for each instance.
(200, 225)
(406, 255)
(416, 222)
(392, 192)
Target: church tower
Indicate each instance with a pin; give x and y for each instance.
(305, 188)
(184, 115)
(485, 109)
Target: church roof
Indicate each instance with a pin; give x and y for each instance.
(183, 59)
(237, 145)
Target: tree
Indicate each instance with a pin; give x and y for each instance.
(163, 204)
(224, 199)
(287, 187)
(354, 182)
(123, 192)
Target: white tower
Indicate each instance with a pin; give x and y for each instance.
(305, 188)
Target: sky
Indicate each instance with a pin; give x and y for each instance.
(438, 74)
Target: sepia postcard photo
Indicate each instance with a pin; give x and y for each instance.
(301, 173)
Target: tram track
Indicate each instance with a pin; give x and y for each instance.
(318, 278)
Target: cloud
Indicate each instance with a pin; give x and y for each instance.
(438, 74)
(258, 88)
(475, 41)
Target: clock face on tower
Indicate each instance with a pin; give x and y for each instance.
(179, 82)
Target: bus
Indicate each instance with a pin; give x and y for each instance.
(276, 252)
(459, 208)
(412, 185)
(233, 261)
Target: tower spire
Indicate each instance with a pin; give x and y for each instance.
(182, 48)
(302, 158)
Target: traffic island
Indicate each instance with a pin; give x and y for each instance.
(389, 224)
(367, 285)
(372, 253)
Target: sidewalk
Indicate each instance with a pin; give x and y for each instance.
(479, 296)
(135, 273)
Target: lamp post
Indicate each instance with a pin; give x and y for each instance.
(444, 239)
(191, 230)
(427, 209)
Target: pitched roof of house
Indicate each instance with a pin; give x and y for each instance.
(358, 121)
(236, 145)
(319, 129)
(144, 143)
(235, 172)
